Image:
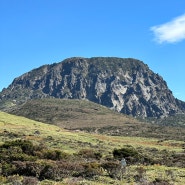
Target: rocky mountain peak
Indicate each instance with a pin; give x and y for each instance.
(125, 85)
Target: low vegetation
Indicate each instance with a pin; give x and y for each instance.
(35, 153)
(71, 114)
(91, 117)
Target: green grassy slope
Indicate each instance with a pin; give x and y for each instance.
(72, 142)
(14, 127)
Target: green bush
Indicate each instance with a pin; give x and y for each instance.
(15, 151)
(54, 155)
(7, 169)
(129, 153)
(89, 154)
(91, 169)
(25, 145)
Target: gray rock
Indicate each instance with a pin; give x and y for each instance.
(124, 85)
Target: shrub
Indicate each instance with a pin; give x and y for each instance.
(140, 176)
(25, 145)
(7, 169)
(91, 169)
(70, 168)
(50, 171)
(89, 154)
(129, 153)
(30, 181)
(14, 180)
(14, 153)
(28, 168)
(112, 168)
(55, 155)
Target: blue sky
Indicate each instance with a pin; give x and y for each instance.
(38, 32)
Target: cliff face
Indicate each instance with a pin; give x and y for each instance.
(125, 85)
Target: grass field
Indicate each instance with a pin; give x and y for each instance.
(54, 137)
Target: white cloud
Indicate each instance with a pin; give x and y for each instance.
(170, 32)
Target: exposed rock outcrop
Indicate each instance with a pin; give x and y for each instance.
(125, 85)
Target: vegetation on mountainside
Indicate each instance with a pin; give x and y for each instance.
(176, 120)
(71, 114)
(31, 151)
(114, 64)
(91, 117)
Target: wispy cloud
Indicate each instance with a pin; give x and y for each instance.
(170, 32)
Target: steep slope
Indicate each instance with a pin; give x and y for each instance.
(125, 85)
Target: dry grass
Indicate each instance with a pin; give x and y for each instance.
(90, 117)
(72, 114)
(27, 128)
(13, 127)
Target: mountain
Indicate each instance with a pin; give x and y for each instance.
(123, 84)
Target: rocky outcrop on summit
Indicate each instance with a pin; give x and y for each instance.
(125, 85)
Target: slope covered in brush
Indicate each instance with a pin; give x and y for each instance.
(91, 117)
